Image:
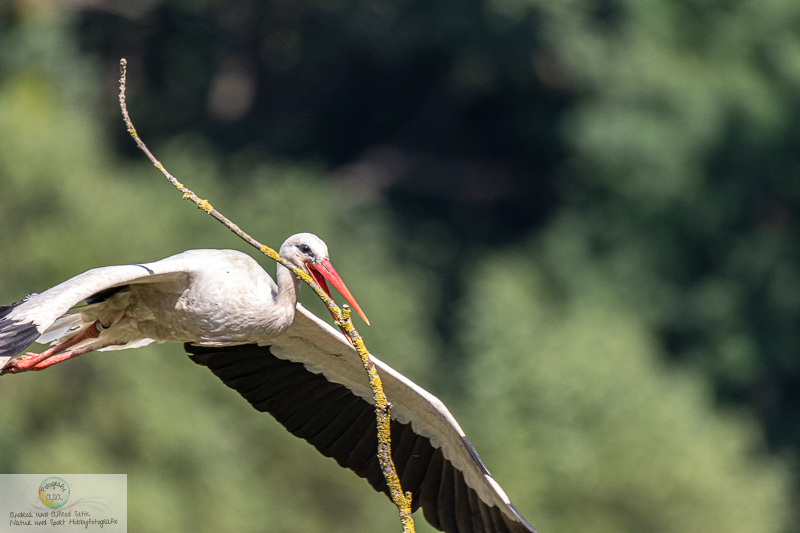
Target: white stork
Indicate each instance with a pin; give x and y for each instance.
(254, 336)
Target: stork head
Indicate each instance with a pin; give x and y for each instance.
(310, 253)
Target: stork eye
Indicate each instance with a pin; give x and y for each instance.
(306, 249)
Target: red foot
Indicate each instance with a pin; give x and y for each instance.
(24, 362)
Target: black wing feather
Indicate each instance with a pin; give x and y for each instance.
(15, 337)
(342, 425)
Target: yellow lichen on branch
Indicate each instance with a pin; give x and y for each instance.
(269, 252)
(382, 408)
(204, 205)
(342, 316)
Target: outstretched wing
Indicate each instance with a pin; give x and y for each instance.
(24, 322)
(312, 381)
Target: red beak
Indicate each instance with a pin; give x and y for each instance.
(324, 271)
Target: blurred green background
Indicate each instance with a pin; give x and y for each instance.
(575, 222)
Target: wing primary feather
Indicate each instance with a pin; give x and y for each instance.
(364, 450)
(343, 447)
(14, 336)
(477, 512)
(297, 409)
(486, 518)
(429, 489)
(498, 524)
(403, 439)
(416, 468)
(446, 498)
(463, 511)
(319, 419)
(258, 391)
(341, 425)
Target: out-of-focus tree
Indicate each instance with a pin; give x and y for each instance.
(582, 418)
(632, 164)
(683, 183)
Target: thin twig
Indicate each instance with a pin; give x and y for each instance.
(382, 415)
(342, 317)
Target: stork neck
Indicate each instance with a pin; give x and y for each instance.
(288, 288)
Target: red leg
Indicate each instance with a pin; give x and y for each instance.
(69, 354)
(30, 361)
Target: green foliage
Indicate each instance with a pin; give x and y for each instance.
(668, 226)
(583, 421)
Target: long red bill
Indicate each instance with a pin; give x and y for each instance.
(324, 271)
